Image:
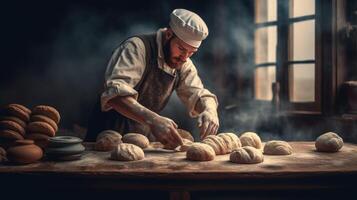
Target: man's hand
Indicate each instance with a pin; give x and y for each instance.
(208, 123)
(165, 131)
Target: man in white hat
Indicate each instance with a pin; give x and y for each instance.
(141, 76)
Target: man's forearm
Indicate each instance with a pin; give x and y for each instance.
(129, 107)
(206, 103)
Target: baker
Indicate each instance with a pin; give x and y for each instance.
(141, 76)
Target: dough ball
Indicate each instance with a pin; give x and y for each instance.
(200, 152)
(246, 155)
(251, 139)
(276, 147)
(217, 143)
(107, 140)
(232, 141)
(137, 139)
(127, 152)
(329, 142)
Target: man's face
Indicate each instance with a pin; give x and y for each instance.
(176, 52)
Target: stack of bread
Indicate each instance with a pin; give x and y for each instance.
(43, 124)
(13, 121)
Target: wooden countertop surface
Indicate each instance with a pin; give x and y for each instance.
(305, 161)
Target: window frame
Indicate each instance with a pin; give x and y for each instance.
(282, 63)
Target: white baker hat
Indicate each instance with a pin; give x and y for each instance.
(188, 26)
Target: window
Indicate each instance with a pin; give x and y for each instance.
(265, 48)
(301, 51)
(285, 52)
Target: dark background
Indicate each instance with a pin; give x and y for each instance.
(55, 52)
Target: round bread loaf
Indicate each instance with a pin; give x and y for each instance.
(217, 143)
(11, 135)
(185, 134)
(43, 118)
(200, 152)
(251, 139)
(127, 152)
(137, 139)
(107, 140)
(109, 132)
(14, 119)
(246, 155)
(48, 111)
(329, 142)
(277, 147)
(41, 127)
(15, 110)
(232, 141)
(11, 125)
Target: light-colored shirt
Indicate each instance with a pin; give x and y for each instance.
(122, 77)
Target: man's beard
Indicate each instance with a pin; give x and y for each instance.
(167, 56)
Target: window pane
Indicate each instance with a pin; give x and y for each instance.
(263, 79)
(265, 44)
(303, 40)
(302, 83)
(265, 10)
(302, 8)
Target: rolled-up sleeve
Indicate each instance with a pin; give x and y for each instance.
(190, 88)
(124, 71)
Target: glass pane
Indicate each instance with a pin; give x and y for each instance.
(263, 79)
(302, 83)
(303, 40)
(265, 10)
(302, 8)
(265, 44)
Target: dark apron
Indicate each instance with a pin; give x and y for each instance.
(154, 90)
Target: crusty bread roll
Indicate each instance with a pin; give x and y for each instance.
(232, 141)
(107, 140)
(329, 142)
(217, 143)
(246, 155)
(200, 152)
(137, 139)
(127, 152)
(251, 139)
(277, 147)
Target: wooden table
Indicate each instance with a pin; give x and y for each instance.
(305, 173)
